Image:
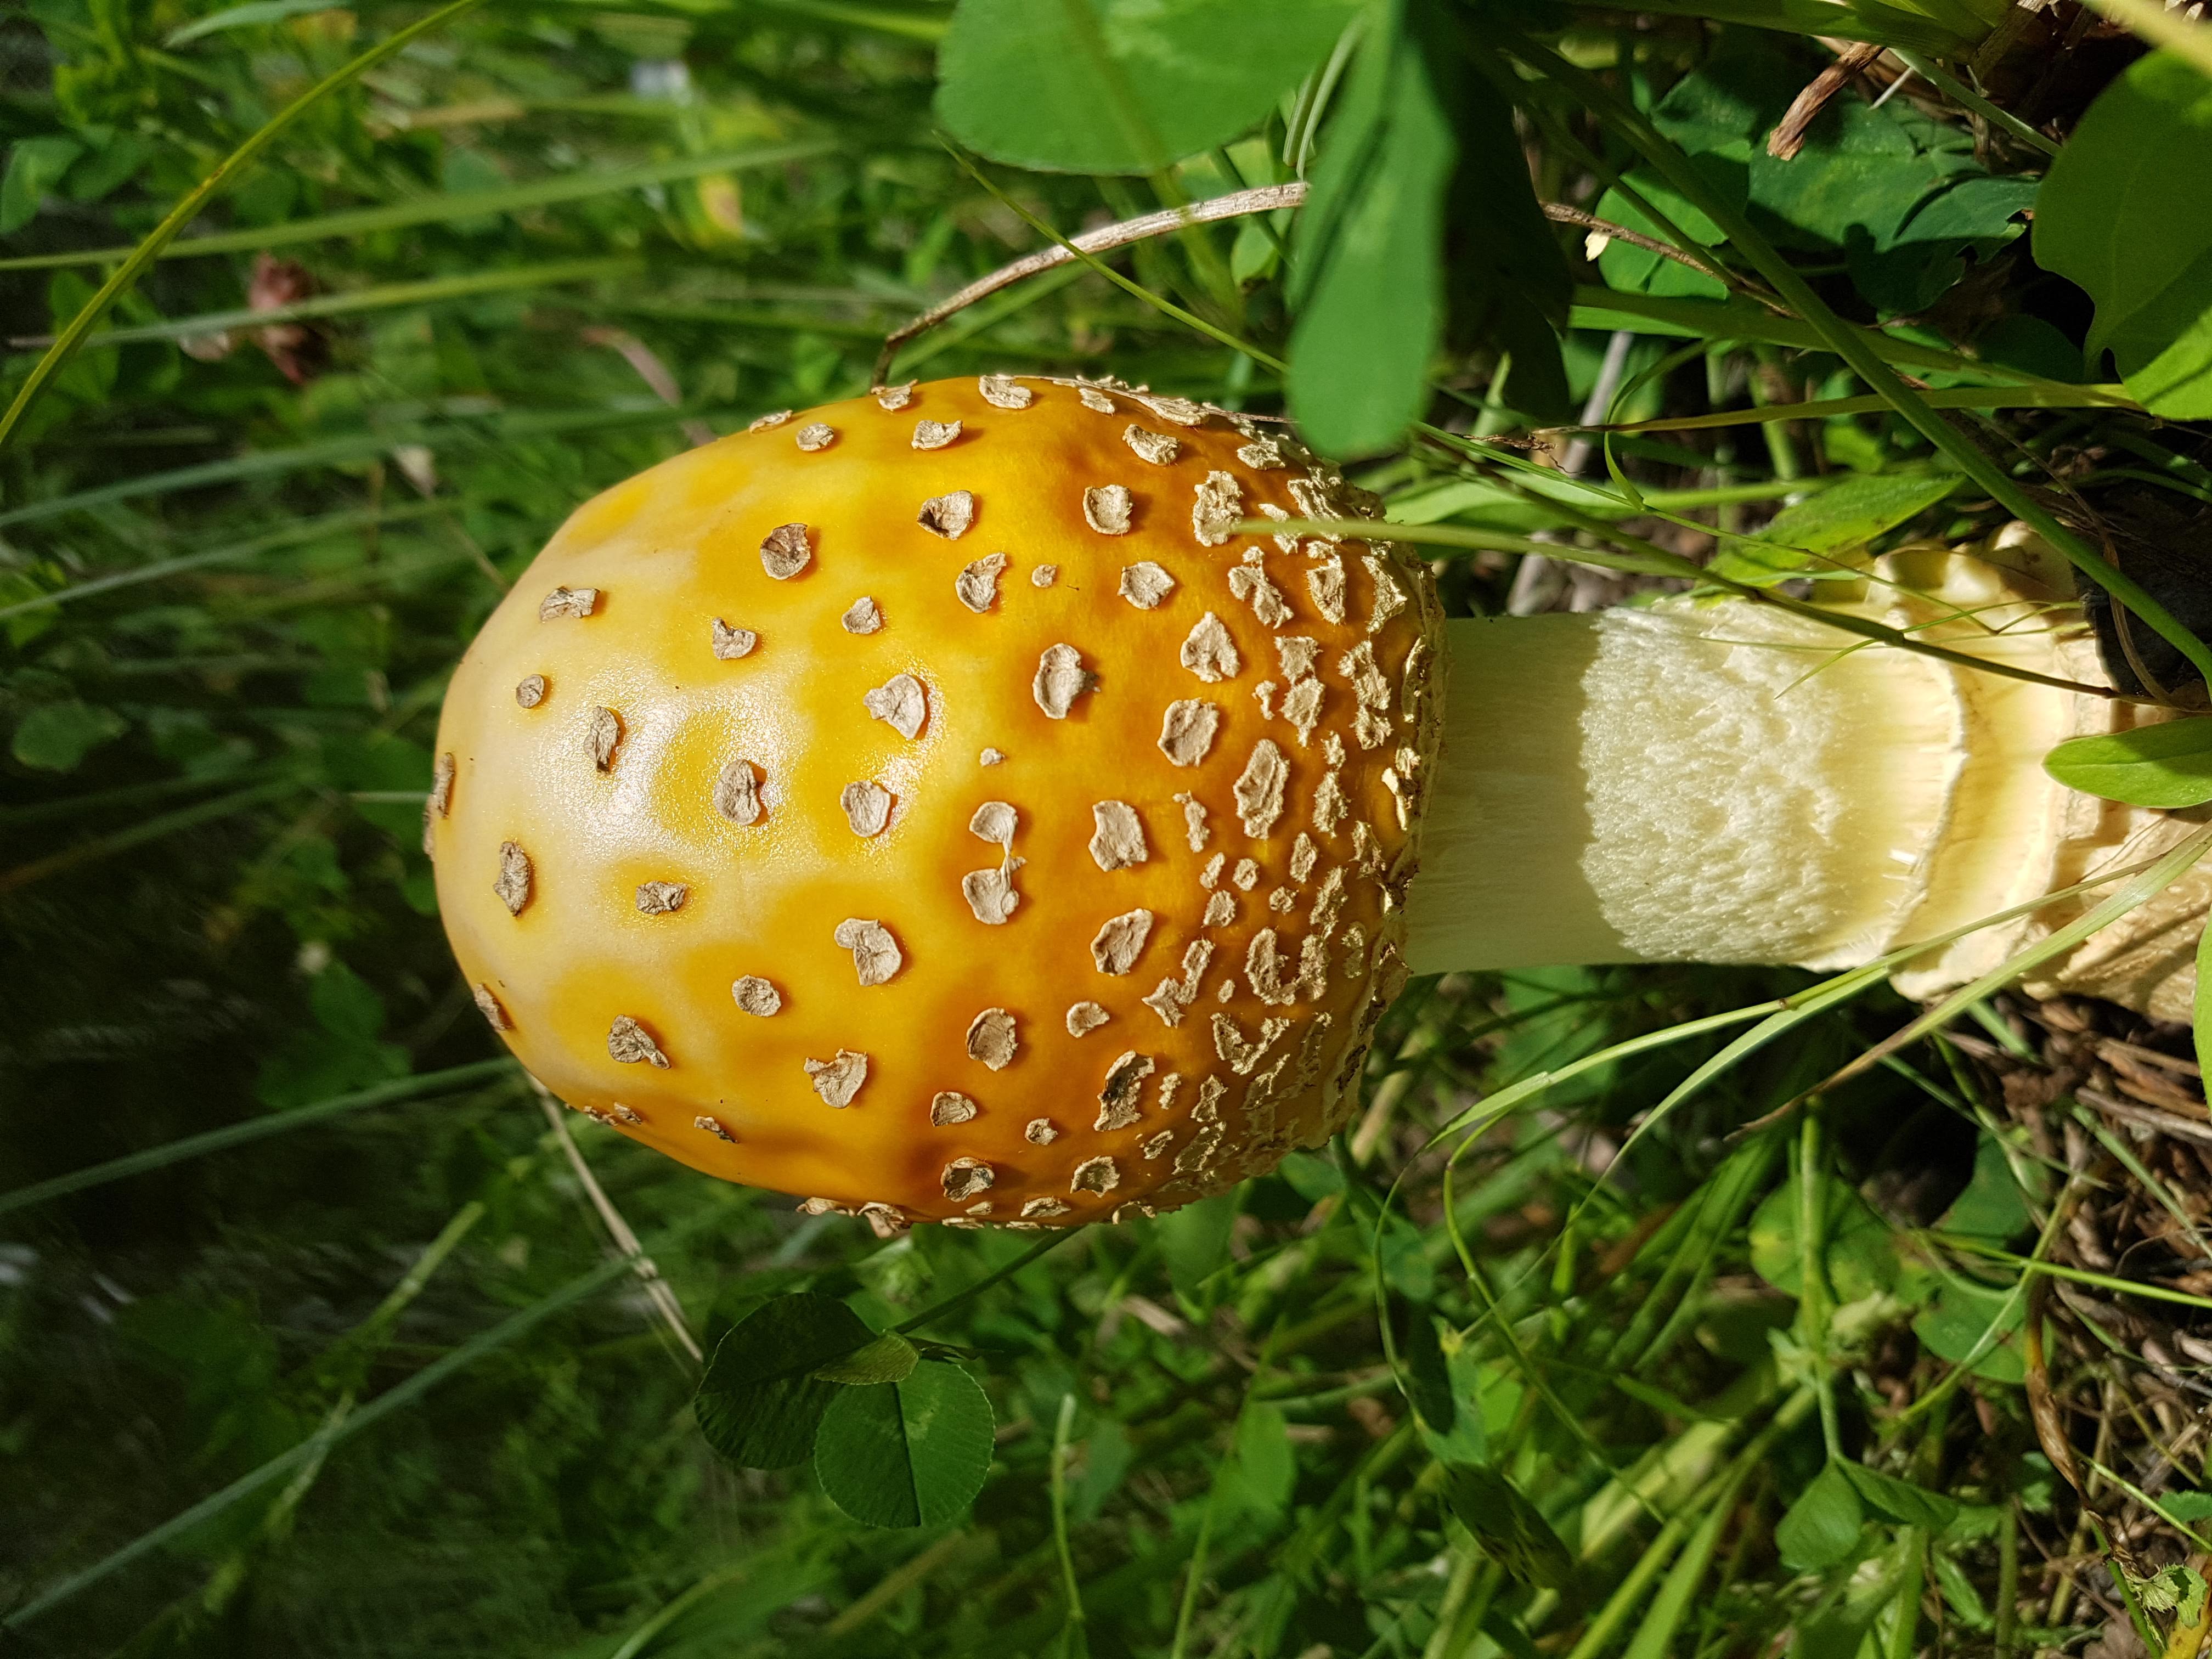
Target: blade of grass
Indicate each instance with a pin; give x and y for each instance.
(385, 296)
(332, 452)
(2165, 1200)
(1739, 320)
(238, 161)
(887, 1590)
(356, 1346)
(1494, 1317)
(2028, 1265)
(392, 1399)
(1467, 535)
(1485, 1111)
(1962, 397)
(638, 1640)
(233, 17)
(122, 841)
(78, 806)
(1883, 25)
(1656, 1632)
(433, 209)
(333, 524)
(1599, 1634)
(1734, 1202)
(452, 1080)
(1755, 489)
(2150, 1502)
(1992, 1334)
(1072, 1633)
(1964, 95)
(910, 25)
(2201, 1006)
(1043, 1247)
(1813, 1295)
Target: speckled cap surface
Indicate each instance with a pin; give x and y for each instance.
(933, 806)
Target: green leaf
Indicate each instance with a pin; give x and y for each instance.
(121, 158)
(1507, 284)
(2167, 766)
(906, 1454)
(1839, 1631)
(2126, 212)
(760, 1402)
(1122, 86)
(1108, 1451)
(1856, 511)
(2165, 349)
(1403, 1258)
(1194, 1240)
(1638, 270)
(342, 1053)
(1954, 1325)
(1863, 173)
(1806, 538)
(1366, 287)
(1261, 1468)
(1509, 1528)
(1312, 1178)
(1450, 1415)
(890, 1358)
(346, 1005)
(1897, 191)
(1900, 1501)
(1728, 102)
(1907, 267)
(1964, 1600)
(1860, 1252)
(2187, 1506)
(2175, 1589)
(1426, 1383)
(1820, 1530)
(393, 765)
(1501, 1627)
(1992, 1207)
(35, 166)
(56, 737)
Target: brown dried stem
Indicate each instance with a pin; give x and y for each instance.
(1788, 135)
(1560, 213)
(1267, 198)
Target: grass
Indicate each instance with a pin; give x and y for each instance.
(312, 1338)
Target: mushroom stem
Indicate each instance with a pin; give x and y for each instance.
(1730, 783)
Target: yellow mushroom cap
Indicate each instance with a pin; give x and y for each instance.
(929, 803)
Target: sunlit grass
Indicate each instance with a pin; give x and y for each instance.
(314, 1341)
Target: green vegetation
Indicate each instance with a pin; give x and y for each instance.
(1616, 1325)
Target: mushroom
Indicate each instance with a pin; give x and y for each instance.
(1207, 804)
